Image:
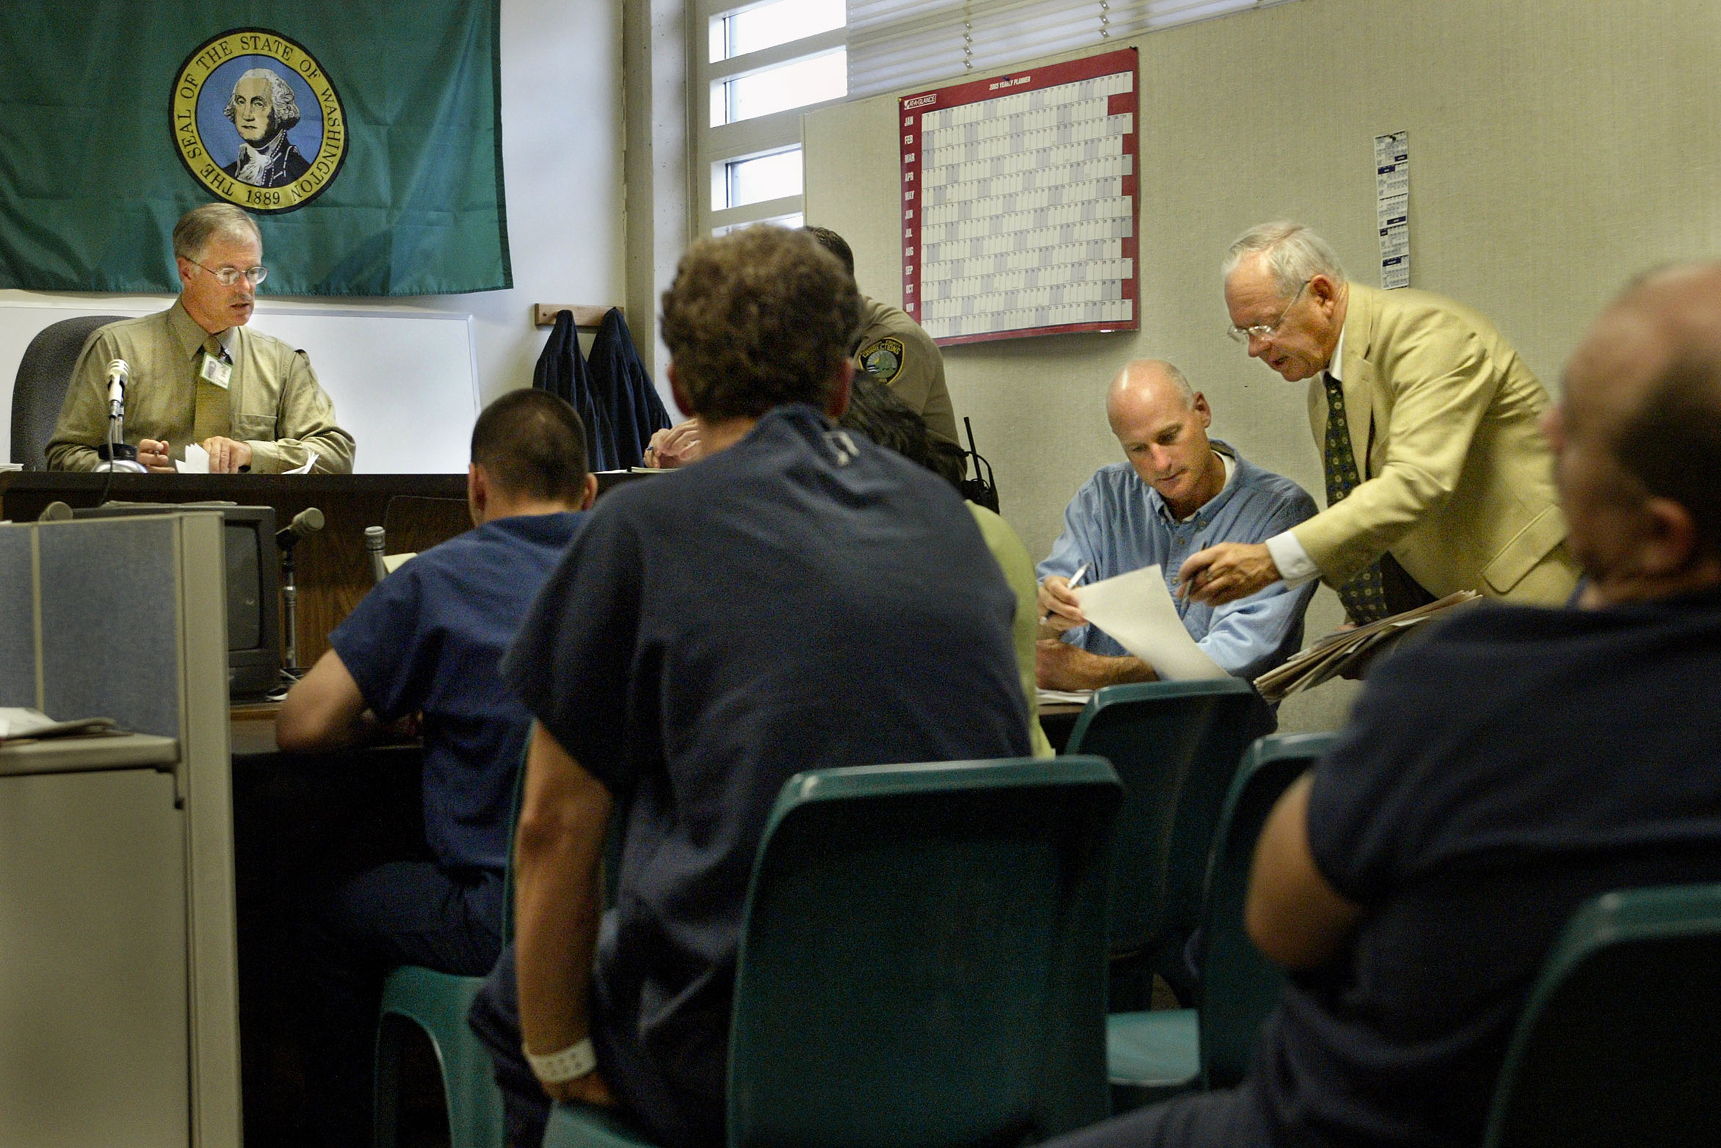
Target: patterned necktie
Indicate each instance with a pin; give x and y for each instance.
(213, 414)
(1363, 596)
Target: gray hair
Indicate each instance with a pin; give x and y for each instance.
(1293, 254)
(283, 103)
(201, 224)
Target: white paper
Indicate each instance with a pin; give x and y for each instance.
(1136, 609)
(19, 722)
(306, 469)
(196, 460)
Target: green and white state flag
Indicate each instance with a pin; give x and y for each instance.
(364, 135)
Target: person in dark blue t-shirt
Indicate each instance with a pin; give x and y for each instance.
(801, 598)
(427, 641)
(1516, 763)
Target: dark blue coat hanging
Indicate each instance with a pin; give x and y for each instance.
(622, 387)
(562, 370)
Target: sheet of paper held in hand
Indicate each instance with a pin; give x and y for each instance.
(1136, 609)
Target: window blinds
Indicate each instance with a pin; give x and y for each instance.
(904, 44)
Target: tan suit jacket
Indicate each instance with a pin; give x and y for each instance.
(1457, 478)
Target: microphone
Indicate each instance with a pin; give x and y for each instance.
(373, 547)
(305, 523)
(115, 454)
(55, 511)
(119, 374)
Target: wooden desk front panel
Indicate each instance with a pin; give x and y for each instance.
(332, 569)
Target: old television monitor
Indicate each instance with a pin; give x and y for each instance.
(253, 587)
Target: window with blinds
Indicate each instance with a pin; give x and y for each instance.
(896, 44)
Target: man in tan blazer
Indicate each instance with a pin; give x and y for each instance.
(1451, 482)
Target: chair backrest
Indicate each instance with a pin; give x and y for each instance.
(923, 959)
(1239, 986)
(44, 373)
(1619, 1042)
(1175, 746)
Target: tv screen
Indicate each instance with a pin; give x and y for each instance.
(253, 588)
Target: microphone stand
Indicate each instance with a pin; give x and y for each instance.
(290, 668)
(305, 523)
(116, 454)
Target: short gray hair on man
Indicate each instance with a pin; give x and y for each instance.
(282, 101)
(1294, 254)
(201, 224)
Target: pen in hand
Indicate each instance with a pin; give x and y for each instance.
(1070, 585)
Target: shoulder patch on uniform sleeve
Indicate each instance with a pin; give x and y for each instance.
(882, 358)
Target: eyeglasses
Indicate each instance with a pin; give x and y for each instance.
(228, 276)
(1263, 330)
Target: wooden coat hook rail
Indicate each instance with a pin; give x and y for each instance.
(585, 314)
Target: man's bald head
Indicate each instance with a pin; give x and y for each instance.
(1638, 432)
(1161, 422)
(1146, 380)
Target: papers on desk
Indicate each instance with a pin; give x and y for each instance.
(196, 461)
(1064, 697)
(1349, 650)
(17, 722)
(1136, 609)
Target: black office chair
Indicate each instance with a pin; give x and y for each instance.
(44, 373)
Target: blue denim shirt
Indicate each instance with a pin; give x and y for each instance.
(1117, 523)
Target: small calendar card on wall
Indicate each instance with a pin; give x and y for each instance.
(1019, 203)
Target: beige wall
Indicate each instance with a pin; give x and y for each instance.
(1557, 147)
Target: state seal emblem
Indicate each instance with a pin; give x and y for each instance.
(882, 359)
(257, 121)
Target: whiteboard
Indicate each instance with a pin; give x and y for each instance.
(403, 382)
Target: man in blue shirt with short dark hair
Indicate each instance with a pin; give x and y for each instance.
(428, 641)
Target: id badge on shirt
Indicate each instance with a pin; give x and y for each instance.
(215, 371)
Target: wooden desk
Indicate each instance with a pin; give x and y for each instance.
(332, 569)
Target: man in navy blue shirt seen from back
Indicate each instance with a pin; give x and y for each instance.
(800, 598)
(427, 641)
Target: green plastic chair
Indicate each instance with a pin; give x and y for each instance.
(1619, 1043)
(1151, 1055)
(1176, 747)
(922, 961)
(437, 1003)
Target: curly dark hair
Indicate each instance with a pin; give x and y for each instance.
(758, 318)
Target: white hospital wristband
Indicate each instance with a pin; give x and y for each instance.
(573, 1062)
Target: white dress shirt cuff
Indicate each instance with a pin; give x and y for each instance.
(1295, 565)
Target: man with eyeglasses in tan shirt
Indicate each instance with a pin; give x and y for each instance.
(198, 375)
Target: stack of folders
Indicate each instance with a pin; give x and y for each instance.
(1349, 650)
